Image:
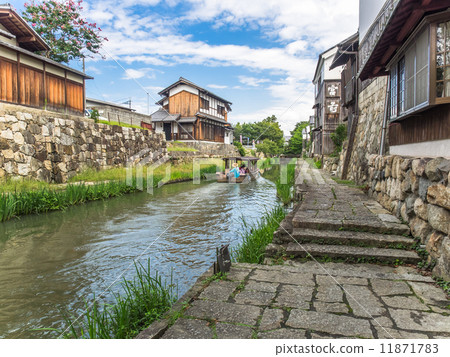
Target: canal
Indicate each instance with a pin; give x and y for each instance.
(53, 262)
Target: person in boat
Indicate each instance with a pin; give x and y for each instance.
(234, 171)
(243, 169)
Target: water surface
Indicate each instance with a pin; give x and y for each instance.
(53, 261)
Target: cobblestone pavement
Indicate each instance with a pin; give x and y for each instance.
(312, 299)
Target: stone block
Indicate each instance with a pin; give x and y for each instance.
(432, 168)
(420, 209)
(434, 244)
(23, 169)
(442, 268)
(418, 166)
(405, 165)
(8, 154)
(439, 195)
(439, 218)
(7, 134)
(420, 228)
(423, 187)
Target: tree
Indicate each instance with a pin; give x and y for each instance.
(295, 144)
(338, 138)
(268, 148)
(268, 128)
(60, 24)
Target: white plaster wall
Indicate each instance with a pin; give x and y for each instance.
(159, 128)
(212, 106)
(9, 54)
(32, 62)
(438, 148)
(183, 87)
(334, 74)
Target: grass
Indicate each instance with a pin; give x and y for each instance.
(125, 125)
(177, 173)
(285, 190)
(256, 237)
(179, 146)
(35, 197)
(16, 204)
(22, 185)
(144, 300)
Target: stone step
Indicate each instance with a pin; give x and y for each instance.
(362, 239)
(353, 253)
(368, 224)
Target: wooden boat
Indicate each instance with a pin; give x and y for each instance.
(250, 164)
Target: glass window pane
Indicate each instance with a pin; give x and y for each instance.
(440, 37)
(401, 85)
(447, 89)
(440, 73)
(422, 86)
(447, 73)
(447, 36)
(439, 89)
(440, 60)
(410, 65)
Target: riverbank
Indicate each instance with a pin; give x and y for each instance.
(32, 197)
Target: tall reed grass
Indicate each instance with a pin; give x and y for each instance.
(256, 237)
(144, 300)
(285, 190)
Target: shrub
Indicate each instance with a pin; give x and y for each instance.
(239, 147)
(338, 138)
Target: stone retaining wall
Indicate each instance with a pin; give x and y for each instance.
(418, 191)
(205, 149)
(54, 147)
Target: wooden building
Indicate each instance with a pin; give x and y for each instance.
(33, 80)
(327, 108)
(409, 41)
(346, 56)
(192, 113)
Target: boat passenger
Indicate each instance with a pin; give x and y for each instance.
(235, 171)
(242, 170)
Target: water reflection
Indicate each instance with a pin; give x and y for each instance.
(49, 262)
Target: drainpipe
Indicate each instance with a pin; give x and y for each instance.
(386, 114)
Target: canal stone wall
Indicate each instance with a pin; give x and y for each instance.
(205, 149)
(54, 147)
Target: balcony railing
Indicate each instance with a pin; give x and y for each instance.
(369, 42)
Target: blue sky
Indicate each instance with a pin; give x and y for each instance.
(258, 54)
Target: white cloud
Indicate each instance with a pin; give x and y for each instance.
(252, 81)
(132, 73)
(301, 29)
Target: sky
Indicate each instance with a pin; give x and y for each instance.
(258, 54)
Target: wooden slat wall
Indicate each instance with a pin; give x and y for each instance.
(433, 124)
(74, 97)
(29, 88)
(55, 93)
(8, 81)
(184, 103)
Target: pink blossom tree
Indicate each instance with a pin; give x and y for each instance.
(60, 24)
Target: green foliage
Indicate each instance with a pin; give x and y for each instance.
(269, 148)
(60, 24)
(239, 147)
(256, 237)
(318, 164)
(17, 203)
(295, 144)
(285, 190)
(95, 115)
(338, 138)
(268, 128)
(145, 299)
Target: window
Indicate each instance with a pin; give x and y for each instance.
(220, 110)
(410, 77)
(204, 104)
(443, 60)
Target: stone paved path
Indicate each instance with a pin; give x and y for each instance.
(312, 299)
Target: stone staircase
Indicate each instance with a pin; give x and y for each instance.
(336, 222)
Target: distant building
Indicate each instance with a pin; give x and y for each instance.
(327, 109)
(113, 112)
(191, 113)
(33, 80)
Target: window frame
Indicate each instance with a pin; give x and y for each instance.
(431, 22)
(204, 103)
